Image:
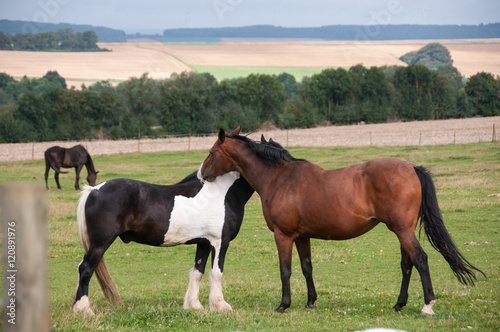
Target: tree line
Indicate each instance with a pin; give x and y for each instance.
(104, 34)
(61, 40)
(377, 29)
(45, 109)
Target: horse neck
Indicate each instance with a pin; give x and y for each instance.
(90, 164)
(253, 169)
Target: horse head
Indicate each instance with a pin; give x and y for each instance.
(92, 177)
(218, 161)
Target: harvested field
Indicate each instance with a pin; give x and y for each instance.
(161, 60)
(438, 132)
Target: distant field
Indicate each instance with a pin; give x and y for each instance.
(228, 72)
(234, 59)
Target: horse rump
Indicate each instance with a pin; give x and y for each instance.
(108, 287)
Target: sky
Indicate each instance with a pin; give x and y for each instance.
(153, 16)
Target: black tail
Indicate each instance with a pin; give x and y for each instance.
(437, 234)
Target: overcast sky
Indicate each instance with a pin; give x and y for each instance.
(157, 15)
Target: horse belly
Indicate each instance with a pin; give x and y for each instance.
(193, 219)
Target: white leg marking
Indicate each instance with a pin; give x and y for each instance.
(191, 299)
(427, 309)
(83, 305)
(216, 298)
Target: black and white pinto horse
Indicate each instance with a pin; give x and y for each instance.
(189, 212)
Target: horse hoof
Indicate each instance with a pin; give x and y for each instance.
(221, 306)
(427, 309)
(397, 308)
(195, 306)
(311, 306)
(83, 306)
(280, 310)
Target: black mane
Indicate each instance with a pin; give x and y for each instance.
(270, 152)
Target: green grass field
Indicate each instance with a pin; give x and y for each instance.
(357, 281)
(229, 72)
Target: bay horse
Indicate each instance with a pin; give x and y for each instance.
(189, 212)
(57, 157)
(301, 200)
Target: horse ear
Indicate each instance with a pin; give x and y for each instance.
(262, 139)
(236, 131)
(222, 135)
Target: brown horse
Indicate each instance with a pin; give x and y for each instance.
(57, 157)
(301, 200)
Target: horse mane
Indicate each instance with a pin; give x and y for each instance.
(90, 163)
(271, 152)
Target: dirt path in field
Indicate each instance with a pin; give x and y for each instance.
(455, 131)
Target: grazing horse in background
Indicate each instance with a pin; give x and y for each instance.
(57, 157)
(301, 200)
(189, 212)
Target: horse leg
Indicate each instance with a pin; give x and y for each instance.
(304, 249)
(406, 268)
(285, 246)
(78, 169)
(216, 298)
(191, 299)
(47, 168)
(85, 271)
(56, 176)
(418, 258)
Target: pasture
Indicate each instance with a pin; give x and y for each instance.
(357, 280)
(236, 59)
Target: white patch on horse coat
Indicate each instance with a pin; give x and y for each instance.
(80, 213)
(201, 216)
(216, 298)
(99, 186)
(83, 304)
(427, 309)
(191, 299)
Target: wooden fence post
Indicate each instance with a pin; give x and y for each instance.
(494, 135)
(24, 239)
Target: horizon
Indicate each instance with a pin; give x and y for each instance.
(155, 16)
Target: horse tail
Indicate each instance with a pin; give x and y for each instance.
(437, 234)
(108, 287)
(51, 164)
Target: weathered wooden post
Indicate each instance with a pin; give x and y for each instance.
(24, 242)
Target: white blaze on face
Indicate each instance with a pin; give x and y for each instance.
(201, 216)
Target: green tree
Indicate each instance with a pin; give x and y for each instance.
(140, 98)
(262, 93)
(433, 56)
(483, 94)
(66, 38)
(329, 88)
(5, 41)
(414, 85)
(54, 77)
(289, 83)
(185, 105)
(31, 111)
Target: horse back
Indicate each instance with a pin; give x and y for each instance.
(346, 202)
(75, 156)
(134, 210)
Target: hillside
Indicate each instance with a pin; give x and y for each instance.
(104, 34)
(336, 32)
